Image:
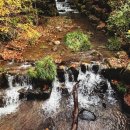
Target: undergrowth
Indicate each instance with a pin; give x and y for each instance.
(78, 41)
(45, 69)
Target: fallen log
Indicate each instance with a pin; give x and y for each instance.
(76, 109)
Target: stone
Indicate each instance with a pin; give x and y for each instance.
(55, 48)
(101, 25)
(126, 103)
(57, 42)
(2, 102)
(3, 81)
(61, 74)
(114, 62)
(95, 68)
(87, 115)
(33, 94)
(65, 92)
(48, 124)
(73, 72)
(59, 29)
(127, 99)
(122, 55)
(83, 68)
(102, 87)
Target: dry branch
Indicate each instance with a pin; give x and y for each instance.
(76, 110)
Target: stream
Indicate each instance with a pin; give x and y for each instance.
(95, 96)
(96, 99)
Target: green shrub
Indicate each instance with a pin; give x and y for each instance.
(45, 69)
(114, 44)
(119, 19)
(77, 41)
(121, 88)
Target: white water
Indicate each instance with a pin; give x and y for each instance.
(86, 95)
(64, 7)
(12, 96)
(25, 65)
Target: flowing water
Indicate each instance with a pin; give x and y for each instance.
(65, 7)
(94, 94)
(89, 83)
(11, 96)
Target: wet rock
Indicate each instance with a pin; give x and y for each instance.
(42, 84)
(3, 81)
(95, 68)
(20, 79)
(101, 87)
(83, 68)
(32, 94)
(127, 99)
(74, 72)
(61, 75)
(87, 115)
(126, 104)
(65, 92)
(2, 102)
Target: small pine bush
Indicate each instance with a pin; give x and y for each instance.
(77, 41)
(45, 69)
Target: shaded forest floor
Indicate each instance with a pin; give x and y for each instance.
(51, 42)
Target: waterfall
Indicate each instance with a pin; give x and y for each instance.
(91, 86)
(11, 97)
(64, 7)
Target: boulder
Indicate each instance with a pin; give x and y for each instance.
(33, 94)
(87, 115)
(101, 87)
(126, 103)
(73, 72)
(83, 68)
(61, 74)
(127, 99)
(3, 81)
(95, 68)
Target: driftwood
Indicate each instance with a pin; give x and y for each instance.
(76, 109)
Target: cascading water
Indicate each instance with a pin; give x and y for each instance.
(94, 90)
(64, 7)
(11, 97)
